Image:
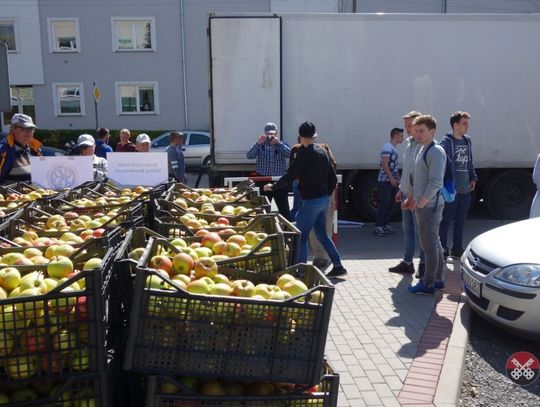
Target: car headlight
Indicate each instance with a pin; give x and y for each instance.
(522, 274)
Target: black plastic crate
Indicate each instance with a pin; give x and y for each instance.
(325, 394)
(176, 332)
(248, 199)
(270, 223)
(82, 390)
(61, 333)
(27, 188)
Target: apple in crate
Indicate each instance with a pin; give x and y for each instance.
(210, 239)
(243, 288)
(205, 266)
(161, 262)
(182, 263)
(59, 267)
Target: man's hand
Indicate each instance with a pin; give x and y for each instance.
(261, 139)
(399, 197)
(472, 185)
(409, 203)
(267, 187)
(394, 182)
(422, 202)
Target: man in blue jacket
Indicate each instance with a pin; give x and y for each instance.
(16, 149)
(458, 148)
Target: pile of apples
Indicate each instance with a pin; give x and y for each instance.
(193, 222)
(31, 238)
(76, 222)
(27, 329)
(108, 198)
(49, 388)
(212, 196)
(209, 208)
(220, 388)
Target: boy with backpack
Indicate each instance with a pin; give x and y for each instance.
(457, 146)
(426, 182)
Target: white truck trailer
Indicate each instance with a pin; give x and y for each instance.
(355, 76)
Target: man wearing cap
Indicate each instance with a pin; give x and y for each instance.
(87, 147)
(125, 145)
(16, 148)
(142, 143)
(316, 181)
(102, 138)
(271, 153)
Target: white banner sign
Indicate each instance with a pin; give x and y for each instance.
(129, 169)
(60, 172)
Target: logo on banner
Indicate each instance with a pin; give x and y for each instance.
(62, 176)
(522, 368)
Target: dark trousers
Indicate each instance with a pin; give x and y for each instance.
(387, 194)
(281, 196)
(457, 212)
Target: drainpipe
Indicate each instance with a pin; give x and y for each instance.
(444, 4)
(183, 47)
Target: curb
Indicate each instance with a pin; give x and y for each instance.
(449, 386)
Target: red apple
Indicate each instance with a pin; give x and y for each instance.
(98, 232)
(182, 263)
(223, 221)
(238, 239)
(205, 266)
(162, 263)
(210, 239)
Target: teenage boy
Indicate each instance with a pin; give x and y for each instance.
(458, 148)
(425, 199)
(316, 181)
(408, 221)
(388, 182)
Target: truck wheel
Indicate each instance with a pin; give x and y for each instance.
(366, 200)
(509, 194)
(206, 162)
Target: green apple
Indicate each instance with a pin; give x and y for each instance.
(33, 280)
(64, 305)
(80, 359)
(205, 266)
(59, 267)
(221, 278)
(183, 278)
(280, 295)
(4, 399)
(295, 287)
(93, 263)
(9, 319)
(68, 236)
(29, 309)
(263, 290)
(136, 254)
(21, 367)
(64, 340)
(179, 242)
(32, 252)
(199, 287)
(203, 252)
(284, 279)
(64, 250)
(3, 294)
(182, 263)
(6, 344)
(10, 258)
(10, 278)
(221, 289)
(243, 288)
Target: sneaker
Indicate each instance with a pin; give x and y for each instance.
(321, 264)
(336, 271)
(389, 230)
(445, 253)
(457, 252)
(421, 270)
(439, 285)
(421, 289)
(402, 267)
(379, 231)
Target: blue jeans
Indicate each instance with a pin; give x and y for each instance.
(386, 193)
(410, 236)
(312, 215)
(455, 211)
(296, 200)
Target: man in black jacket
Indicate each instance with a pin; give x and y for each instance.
(316, 180)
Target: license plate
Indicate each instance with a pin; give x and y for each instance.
(473, 285)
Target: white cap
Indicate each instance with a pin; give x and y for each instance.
(86, 140)
(22, 120)
(143, 138)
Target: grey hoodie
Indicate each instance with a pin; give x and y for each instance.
(408, 163)
(427, 176)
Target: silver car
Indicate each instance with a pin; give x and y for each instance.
(500, 270)
(196, 147)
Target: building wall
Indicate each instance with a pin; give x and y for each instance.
(97, 62)
(25, 65)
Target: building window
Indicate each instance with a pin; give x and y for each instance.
(68, 99)
(133, 34)
(7, 34)
(64, 34)
(137, 98)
